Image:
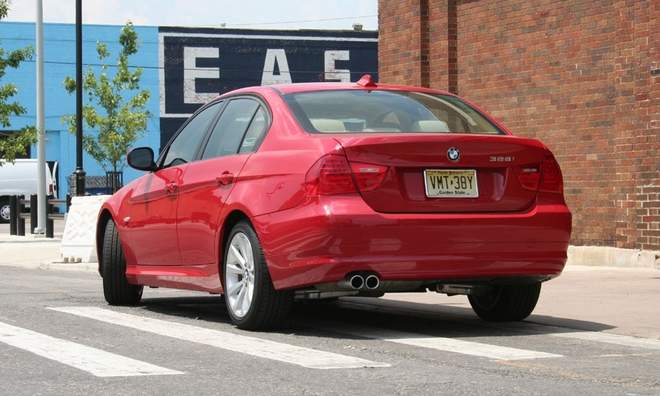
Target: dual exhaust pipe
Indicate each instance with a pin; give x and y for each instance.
(358, 281)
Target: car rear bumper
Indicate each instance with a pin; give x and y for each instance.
(324, 240)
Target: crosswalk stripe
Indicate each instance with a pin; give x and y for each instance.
(94, 361)
(445, 344)
(301, 356)
(609, 338)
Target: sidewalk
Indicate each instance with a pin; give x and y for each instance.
(32, 251)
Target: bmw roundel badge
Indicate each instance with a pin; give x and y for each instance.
(453, 154)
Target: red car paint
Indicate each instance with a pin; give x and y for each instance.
(172, 221)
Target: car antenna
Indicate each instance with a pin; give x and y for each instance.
(366, 81)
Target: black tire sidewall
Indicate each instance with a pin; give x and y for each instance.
(116, 288)
(510, 303)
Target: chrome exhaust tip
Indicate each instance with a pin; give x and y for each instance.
(356, 282)
(372, 282)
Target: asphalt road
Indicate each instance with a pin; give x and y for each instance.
(57, 336)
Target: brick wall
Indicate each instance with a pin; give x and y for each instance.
(582, 75)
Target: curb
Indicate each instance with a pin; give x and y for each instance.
(55, 266)
(60, 266)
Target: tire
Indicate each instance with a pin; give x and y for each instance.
(4, 210)
(265, 307)
(506, 303)
(116, 289)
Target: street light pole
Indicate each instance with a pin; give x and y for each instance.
(41, 128)
(79, 173)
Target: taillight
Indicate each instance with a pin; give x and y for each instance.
(529, 177)
(551, 179)
(330, 175)
(545, 177)
(368, 176)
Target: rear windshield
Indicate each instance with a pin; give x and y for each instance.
(350, 111)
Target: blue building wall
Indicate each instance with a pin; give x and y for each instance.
(59, 56)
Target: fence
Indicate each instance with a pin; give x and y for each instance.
(18, 214)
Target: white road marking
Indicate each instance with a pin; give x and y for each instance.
(94, 361)
(609, 338)
(446, 344)
(301, 356)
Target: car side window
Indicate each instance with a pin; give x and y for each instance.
(185, 144)
(228, 132)
(255, 132)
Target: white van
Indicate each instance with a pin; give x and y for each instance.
(20, 178)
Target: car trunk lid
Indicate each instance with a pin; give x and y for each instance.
(502, 165)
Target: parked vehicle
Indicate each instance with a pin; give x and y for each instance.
(275, 193)
(20, 178)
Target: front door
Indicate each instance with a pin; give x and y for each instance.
(150, 232)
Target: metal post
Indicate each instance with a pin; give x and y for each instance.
(79, 173)
(41, 128)
(50, 225)
(34, 211)
(13, 213)
(20, 226)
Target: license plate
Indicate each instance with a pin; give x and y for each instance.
(451, 183)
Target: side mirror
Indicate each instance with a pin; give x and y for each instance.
(141, 158)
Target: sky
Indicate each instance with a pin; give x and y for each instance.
(262, 14)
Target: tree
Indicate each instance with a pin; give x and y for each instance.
(116, 106)
(14, 144)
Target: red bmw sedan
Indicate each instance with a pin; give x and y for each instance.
(309, 191)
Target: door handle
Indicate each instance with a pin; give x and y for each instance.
(225, 179)
(171, 188)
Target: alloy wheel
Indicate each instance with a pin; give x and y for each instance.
(239, 275)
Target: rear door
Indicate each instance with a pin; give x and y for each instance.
(207, 183)
(447, 173)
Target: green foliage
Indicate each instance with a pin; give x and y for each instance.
(15, 143)
(119, 119)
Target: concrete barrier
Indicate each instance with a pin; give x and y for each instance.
(79, 238)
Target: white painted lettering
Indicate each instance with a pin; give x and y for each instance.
(275, 57)
(191, 72)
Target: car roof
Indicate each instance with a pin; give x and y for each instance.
(285, 89)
